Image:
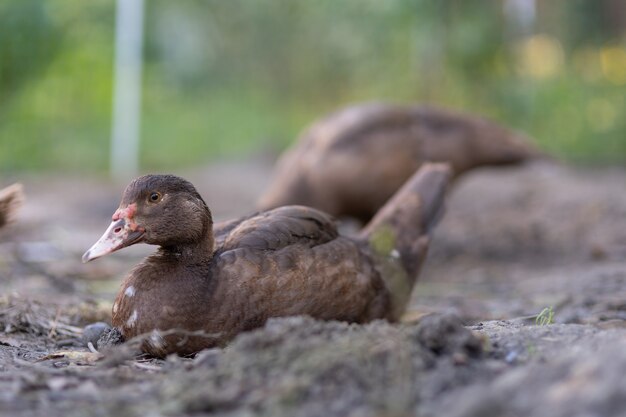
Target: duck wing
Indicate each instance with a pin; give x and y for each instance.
(292, 261)
(401, 230)
(221, 230)
(280, 228)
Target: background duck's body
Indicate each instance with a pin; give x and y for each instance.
(351, 162)
(287, 261)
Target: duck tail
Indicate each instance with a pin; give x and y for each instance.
(11, 199)
(399, 234)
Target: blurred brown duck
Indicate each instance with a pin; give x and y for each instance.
(351, 162)
(204, 286)
(11, 199)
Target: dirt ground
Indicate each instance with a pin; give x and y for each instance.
(514, 242)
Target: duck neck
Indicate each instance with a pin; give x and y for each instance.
(196, 252)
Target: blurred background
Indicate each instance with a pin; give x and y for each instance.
(238, 78)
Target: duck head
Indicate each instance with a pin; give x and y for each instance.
(163, 210)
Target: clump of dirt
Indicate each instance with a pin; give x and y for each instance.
(576, 376)
(293, 366)
(298, 366)
(302, 367)
(31, 317)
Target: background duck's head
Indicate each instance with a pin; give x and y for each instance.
(163, 210)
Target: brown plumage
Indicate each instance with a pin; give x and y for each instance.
(11, 199)
(287, 261)
(351, 162)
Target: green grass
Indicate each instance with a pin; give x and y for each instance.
(545, 317)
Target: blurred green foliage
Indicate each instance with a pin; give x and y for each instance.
(224, 78)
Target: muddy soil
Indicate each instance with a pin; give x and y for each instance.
(514, 242)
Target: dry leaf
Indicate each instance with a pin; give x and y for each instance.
(88, 358)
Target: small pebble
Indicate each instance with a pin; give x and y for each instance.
(511, 356)
(93, 332)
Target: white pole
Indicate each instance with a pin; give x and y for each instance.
(127, 89)
(522, 14)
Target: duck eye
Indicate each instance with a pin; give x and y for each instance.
(155, 197)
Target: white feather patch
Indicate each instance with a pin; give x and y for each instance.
(132, 319)
(130, 291)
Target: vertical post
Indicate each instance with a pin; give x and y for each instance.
(521, 15)
(127, 89)
(520, 18)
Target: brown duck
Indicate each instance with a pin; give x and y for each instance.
(351, 162)
(11, 199)
(204, 285)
